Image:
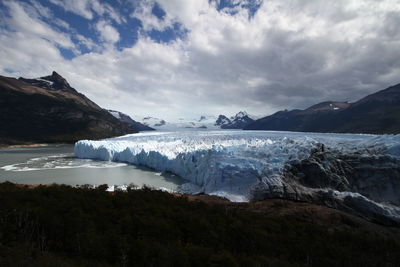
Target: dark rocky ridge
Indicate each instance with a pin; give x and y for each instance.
(134, 124)
(239, 121)
(377, 113)
(363, 183)
(221, 120)
(49, 110)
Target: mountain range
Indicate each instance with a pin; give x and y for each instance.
(377, 113)
(49, 110)
(239, 121)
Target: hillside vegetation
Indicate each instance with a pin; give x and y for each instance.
(64, 226)
(49, 110)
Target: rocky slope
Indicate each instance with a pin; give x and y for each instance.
(49, 110)
(363, 183)
(376, 113)
(134, 124)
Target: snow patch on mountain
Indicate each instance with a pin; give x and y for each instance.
(116, 114)
(127, 119)
(50, 83)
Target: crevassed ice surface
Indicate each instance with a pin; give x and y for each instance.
(226, 163)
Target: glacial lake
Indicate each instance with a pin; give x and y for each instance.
(57, 164)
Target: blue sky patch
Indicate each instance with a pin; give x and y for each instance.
(229, 6)
(169, 34)
(127, 26)
(158, 11)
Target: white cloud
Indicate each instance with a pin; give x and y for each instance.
(79, 7)
(290, 54)
(103, 9)
(87, 42)
(107, 32)
(143, 12)
(20, 21)
(88, 8)
(28, 56)
(36, 10)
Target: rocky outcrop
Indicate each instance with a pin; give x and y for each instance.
(375, 176)
(363, 183)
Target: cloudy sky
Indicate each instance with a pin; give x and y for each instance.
(185, 58)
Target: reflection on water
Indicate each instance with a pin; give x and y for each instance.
(57, 164)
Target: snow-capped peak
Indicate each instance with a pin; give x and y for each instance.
(202, 122)
(241, 114)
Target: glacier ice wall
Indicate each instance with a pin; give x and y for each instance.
(226, 163)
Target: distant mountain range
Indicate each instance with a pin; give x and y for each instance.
(378, 113)
(49, 110)
(238, 121)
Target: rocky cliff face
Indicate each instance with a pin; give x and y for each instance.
(364, 183)
(48, 110)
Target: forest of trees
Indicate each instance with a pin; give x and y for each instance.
(64, 226)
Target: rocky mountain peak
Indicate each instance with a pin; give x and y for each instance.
(222, 120)
(241, 114)
(59, 82)
(52, 114)
(235, 122)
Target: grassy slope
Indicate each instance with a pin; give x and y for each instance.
(64, 226)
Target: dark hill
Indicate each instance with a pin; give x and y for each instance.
(59, 225)
(49, 110)
(134, 124)
(378, 113)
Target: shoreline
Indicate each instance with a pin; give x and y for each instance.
(32, 145)
(23, 146)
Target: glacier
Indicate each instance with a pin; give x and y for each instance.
(228, 163)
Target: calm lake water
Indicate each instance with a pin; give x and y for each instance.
(56, 164)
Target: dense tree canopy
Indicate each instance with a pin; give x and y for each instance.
(64, 226)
